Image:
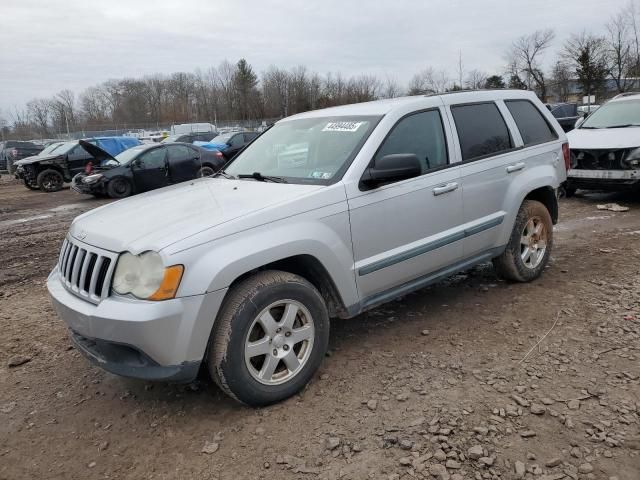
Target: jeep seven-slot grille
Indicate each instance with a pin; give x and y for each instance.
(86, 271)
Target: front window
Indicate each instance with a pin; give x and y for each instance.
(615, 115)
(308, 150)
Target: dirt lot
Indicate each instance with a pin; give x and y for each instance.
(431, 386)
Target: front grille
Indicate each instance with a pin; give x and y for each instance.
(86, 271)
(598, 159)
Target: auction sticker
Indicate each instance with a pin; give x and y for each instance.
(342, 126)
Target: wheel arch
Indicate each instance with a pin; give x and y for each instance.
(311, 269)
(547, 196)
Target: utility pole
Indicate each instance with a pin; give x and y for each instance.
(460, 67)
(66, 121)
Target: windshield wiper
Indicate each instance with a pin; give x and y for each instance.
(263, 178)
(625, 125)
(224, 174)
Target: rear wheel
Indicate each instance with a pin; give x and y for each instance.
(269, 338)
(529, 246)
(206, 171)
(50, 180)
(119, 187)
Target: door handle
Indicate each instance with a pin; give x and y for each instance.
(515, 167)
(449, 187)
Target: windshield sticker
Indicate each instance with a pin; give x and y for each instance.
(320, 175)
(342, 126)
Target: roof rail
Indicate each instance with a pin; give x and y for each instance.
(625, 94)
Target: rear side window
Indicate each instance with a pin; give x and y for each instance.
(533, 127)
(481, 129)
(422, 134)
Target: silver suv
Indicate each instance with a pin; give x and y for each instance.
(327, 214)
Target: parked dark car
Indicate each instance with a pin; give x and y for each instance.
(229, 144)
(565, 113)
(144, 168)
(11, 151)
(190, 137)
(62, 161)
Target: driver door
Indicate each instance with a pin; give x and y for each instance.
(150, 170)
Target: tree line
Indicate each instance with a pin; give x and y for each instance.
(234, 92)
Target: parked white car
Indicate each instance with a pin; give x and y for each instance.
(605, 147)
(325, 215)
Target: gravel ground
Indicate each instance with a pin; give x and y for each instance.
(473, 378)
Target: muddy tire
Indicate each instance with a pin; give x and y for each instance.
(206, 171)
(269, 338)
(50, 180)
(30, 186)
(119, 187)
(530, 244)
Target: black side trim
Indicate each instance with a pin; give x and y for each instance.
(414, 252)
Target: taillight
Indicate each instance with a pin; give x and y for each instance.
(14, 152)
(567, 155)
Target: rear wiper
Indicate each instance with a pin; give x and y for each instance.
(262, 178)
(224, 174)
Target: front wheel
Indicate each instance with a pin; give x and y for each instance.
(50, 180)
(530, 244)
(30, 185)
(119, 187)
(269, 338)
(206, 171)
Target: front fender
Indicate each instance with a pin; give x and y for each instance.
(215, 265)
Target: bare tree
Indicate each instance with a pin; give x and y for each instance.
(38, 110)
(619, 50)
(475, 80)
(561, 77)
(587, 54)
(429, 81)
(390, 88)
(526, 56)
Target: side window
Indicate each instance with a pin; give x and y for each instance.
(481, 130)
(179, 153)
(78, 152)
(154, 158)
(533, 127)
(237, 140)
(248, 137)
(422, 134)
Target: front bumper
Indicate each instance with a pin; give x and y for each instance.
(78, 186)
(163, 340)
(603, 179)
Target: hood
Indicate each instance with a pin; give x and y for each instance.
(34, 159)
(604, 138)
(159, 218)
(96, 152)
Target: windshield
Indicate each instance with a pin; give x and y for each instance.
(50, 148)
(309, 150)
(614, 114)
(65, 147)
(125, 157)
(172, 138)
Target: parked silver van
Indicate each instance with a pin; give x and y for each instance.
(327, 214)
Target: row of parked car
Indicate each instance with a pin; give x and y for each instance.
(121, 166)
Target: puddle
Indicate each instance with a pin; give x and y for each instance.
(18, 221)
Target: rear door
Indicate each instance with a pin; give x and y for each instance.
(150, 170)
(485, 144)
(183, 163)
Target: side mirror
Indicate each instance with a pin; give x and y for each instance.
(580, 121)
(392, 168)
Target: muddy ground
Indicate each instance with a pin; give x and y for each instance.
(430, 386)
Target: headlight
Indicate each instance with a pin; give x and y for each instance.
(145, 276)
(633, 158)
(92, 178)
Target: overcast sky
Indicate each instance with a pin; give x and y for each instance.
(50, 45)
